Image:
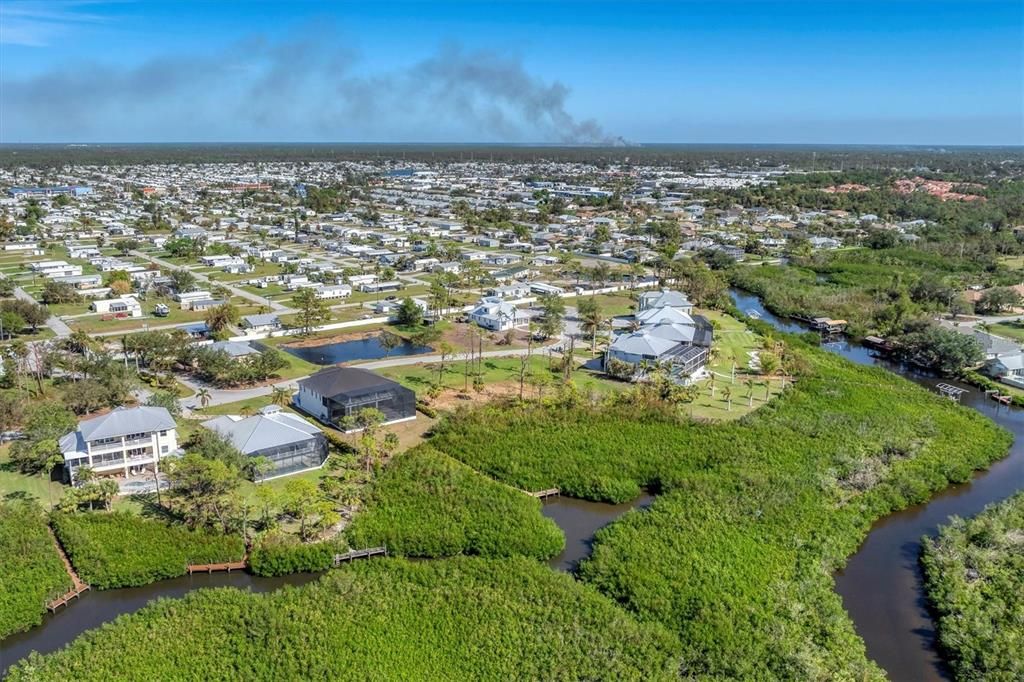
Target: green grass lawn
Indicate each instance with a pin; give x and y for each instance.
(176, 316)
(1009, 330)
(612, 305)
(237, 407)
(15, 483)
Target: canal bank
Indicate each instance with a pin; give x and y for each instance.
(881, 584)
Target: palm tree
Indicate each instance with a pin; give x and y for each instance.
(727, 396)
(204, 397)
(280, 396)
(750, 392)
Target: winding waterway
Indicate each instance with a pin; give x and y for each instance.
(578, 519)
(881, 584)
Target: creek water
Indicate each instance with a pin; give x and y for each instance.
(96, 607)
(881, 585)
(578, 519)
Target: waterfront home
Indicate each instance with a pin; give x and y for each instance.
(334, 393)
(664, 298)
(1008, 369)
(288, 441)
(125, 441)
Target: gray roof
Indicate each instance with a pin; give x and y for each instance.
(261, 320)
(236, 349)
(641, 343)
(121, 422)
(334, 381)
(264, 431)
(665, 298)
(680, 333)
(663, 316)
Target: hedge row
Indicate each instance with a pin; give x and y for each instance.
(283, 554)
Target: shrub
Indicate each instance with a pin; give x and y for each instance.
(121, 549)
(32, 569)
(453, 619)
(974, 579)
(283, 554)
(736, 553)
(428, 505)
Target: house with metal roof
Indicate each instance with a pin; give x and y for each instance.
(265, 322)
(128, 440)
(664, 298)
(665, 332)
(287, 440)
(235, 349)
(497, 315)
(334, 393)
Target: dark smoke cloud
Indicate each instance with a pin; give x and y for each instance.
(292, 89)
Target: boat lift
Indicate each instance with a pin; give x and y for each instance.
(950, 391)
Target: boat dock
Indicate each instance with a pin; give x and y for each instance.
(77, 585)
(360, 554)
(214, 568)
(544, 494)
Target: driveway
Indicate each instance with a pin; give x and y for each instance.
(54, 323)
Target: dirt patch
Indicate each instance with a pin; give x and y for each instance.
(452, 397)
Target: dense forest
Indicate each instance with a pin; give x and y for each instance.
(452, 619)
(426, 504)
(974, 578)
(966, 161)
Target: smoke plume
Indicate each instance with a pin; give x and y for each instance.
(300, 89)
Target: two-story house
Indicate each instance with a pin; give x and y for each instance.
(125, 441)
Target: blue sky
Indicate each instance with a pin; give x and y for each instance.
(814, 71)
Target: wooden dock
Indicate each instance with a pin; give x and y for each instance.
(214, 568)
(360, 554)
(78, 586)
(544, 494)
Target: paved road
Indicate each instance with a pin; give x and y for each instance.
(242, 293)
(54, 323)
(220, 396)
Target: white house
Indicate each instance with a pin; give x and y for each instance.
(125, 441)
(494, 314)
(333, 291)
(126, 305)
(664, 298)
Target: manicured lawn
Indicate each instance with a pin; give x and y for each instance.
(612, 305)
(175, 316)
(15, 483)
(237, 407)
(1009, 330)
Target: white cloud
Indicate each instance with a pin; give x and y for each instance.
(33, 23)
